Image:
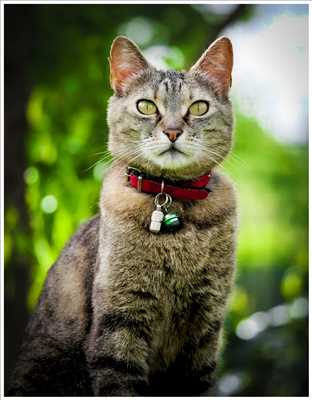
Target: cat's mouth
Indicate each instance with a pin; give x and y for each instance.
(172, 150)
(171, 158)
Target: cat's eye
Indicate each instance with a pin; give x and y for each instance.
(146, 107)
(199, 108)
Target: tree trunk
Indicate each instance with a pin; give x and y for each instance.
(18, 52)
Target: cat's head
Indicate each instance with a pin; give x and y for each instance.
(167, 123)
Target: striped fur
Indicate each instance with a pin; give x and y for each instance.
(125, 312)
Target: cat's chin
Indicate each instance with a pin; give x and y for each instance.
(172, 159)
(173, 166)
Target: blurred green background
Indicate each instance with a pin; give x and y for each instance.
(56, 92)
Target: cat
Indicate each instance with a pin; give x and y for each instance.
(127, 311)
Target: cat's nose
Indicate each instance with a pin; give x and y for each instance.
(173, 133)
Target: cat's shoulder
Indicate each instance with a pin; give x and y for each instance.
(80, 252)
(83, 244)
(222, 189)
(68, 277)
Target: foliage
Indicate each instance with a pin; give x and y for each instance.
(68, 133)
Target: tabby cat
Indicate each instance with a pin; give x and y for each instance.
(125, 310)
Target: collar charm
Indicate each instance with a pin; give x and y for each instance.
(161, 219)
(169, 222)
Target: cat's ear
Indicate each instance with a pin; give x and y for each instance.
(126, 61)
(216, 64)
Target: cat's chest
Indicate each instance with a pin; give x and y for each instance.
(165, 267)
(167, 258)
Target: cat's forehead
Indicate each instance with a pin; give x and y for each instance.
(170, 85)
(170, 82)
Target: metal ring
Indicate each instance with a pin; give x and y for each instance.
(134, 169)
(158, 195)
(169, 201)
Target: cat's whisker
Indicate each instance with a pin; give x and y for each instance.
(100, 161)
(232, 156)
(217, 162)
(210, 152)
(108, 158)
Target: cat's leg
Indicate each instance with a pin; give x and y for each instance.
(52, 360)
(119, 346)
(202, 360)
(208, 309)
(32, 374)
(48, 367)
(194, 371)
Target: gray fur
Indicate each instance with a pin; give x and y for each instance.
(123, 311)
(207, 140)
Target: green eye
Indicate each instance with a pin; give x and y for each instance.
(199, 108)
(146, 107)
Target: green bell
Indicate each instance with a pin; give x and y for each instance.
(171, 222)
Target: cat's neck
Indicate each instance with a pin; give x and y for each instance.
(194, 189)
(120, 199)
(183, 174)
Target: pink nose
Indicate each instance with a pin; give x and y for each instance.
(173, 133)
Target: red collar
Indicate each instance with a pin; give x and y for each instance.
(182, 190)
